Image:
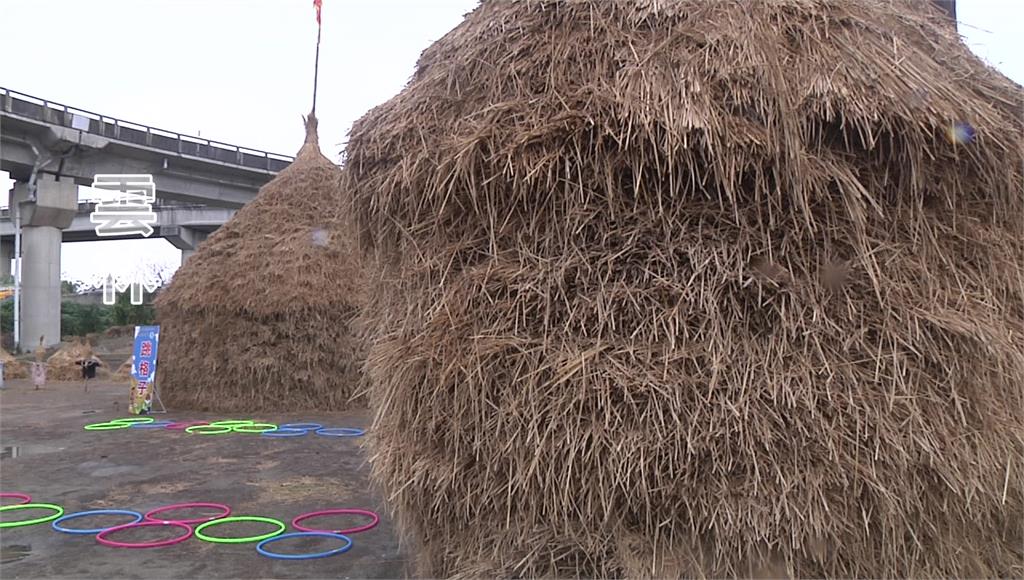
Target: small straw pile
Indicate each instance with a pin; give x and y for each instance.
(13, 368)
(124, 372)
(681, 288)
(260, 317)
(66, 363)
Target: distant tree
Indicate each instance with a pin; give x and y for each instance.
(69, 287)
(123, 312)
(81, 319)
(7, 316)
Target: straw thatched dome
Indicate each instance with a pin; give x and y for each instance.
(260, 317)
(683, 288)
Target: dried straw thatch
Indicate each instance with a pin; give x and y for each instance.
(124, 372)
(66, 363)
(259, 318)
(684, 288)
(13, 368)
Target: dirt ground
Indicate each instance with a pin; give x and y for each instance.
(47, 454)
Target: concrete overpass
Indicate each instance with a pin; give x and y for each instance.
(184, 225)
(79, 144)
(50, 149)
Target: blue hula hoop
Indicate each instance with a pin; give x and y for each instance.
(306, 426)
(279, 432)
(336, 551)
(340, 432)
(153, 425)
(56, 526)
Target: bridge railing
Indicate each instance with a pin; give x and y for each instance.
(38, 109)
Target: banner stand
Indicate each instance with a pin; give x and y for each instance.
(156, 399)
(144, 358)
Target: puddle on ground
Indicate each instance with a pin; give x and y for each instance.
(14, 552)
(14, 451)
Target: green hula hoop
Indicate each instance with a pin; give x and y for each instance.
(59, 511)
(255, 428)
(214, 539)
(208, 429)
(133, 420)
(233, 423)
(107, 426)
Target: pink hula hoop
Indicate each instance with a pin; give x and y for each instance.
(184, 425)
(101, 537)
(23, 497)
(149, 517)
(369, 526)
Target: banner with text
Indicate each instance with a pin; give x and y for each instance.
(147, 338)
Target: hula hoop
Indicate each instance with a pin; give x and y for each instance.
(23, 497)
(101, 537)
(106, 426)
(355, 530)
(58, 512)
(269, 554)
(283, 432)
(199, 429)
(150, 515)
(133, 420)
(340, 432)
(153, 425)
(174, 426)
(217, 540)
(232, 423)
(306, 426)
(56, 524)
(254, 428)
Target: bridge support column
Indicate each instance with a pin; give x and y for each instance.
(6, 255)
(185, 239)
(42, 220)
(40, 286)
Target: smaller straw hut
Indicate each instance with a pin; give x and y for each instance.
(261, 316)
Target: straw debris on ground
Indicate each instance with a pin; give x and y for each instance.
(260, 317)
(688, 288)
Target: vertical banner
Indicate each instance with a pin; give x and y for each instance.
(147, 339)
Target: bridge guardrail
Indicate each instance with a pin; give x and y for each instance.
(112, 128)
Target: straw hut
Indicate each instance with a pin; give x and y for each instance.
(259, 318)
(685, 288)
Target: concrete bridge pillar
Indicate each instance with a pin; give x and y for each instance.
(42, 219)
(185, 239)
(6, 255)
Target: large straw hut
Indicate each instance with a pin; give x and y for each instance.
(260, 317)
(686, 288)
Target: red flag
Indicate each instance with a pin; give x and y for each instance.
(316, 4)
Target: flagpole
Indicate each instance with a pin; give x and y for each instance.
(316, 65)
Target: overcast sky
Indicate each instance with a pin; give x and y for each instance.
(240, 71)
